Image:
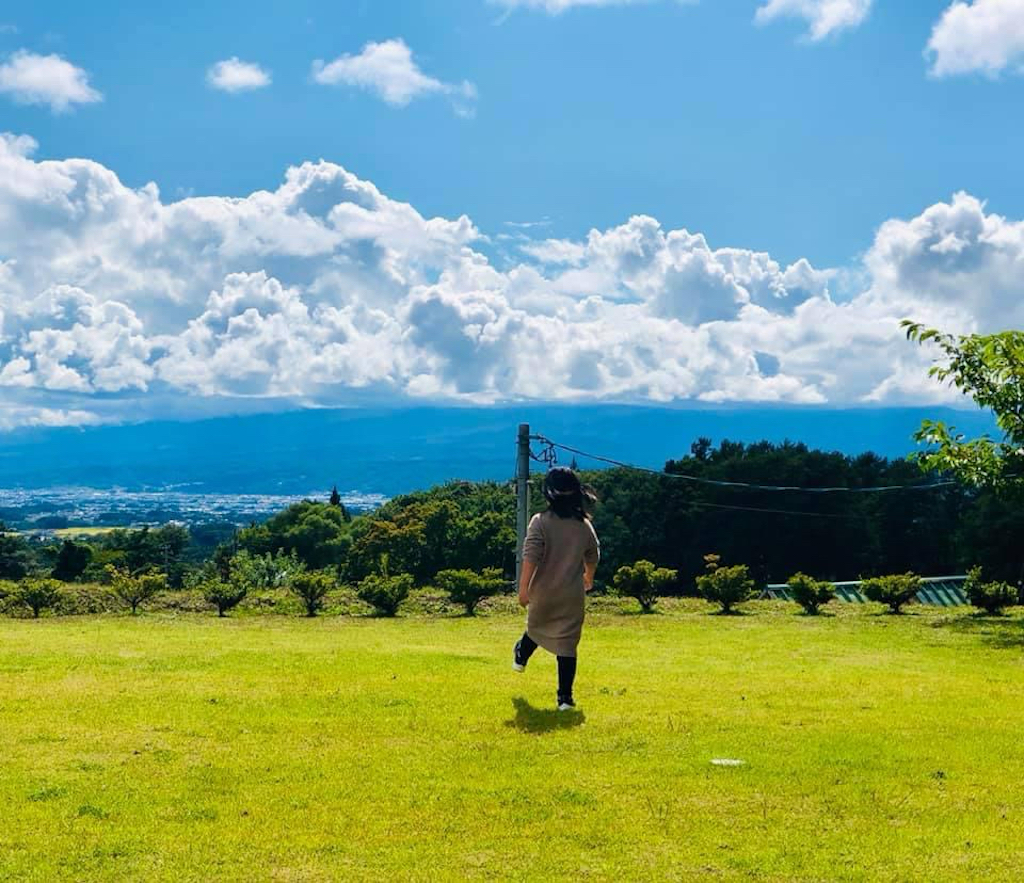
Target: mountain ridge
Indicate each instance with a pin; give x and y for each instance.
(391, 451)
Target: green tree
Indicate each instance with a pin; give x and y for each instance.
(98, 569)
(385, 592)
(468, 588)
(810, 593)
(16, 558)
(72, 560)
(643, 581)
(135, 589)
(989, 369)
(725, 586)
(263, 571)
(992, 597)
(224, 596)
(37, 594)
(894, 590)
(401, 541)
(148, 548)
(312, 587)
(317, 533)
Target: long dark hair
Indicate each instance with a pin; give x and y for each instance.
(566, 497)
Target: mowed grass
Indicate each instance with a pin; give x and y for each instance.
(270, 748)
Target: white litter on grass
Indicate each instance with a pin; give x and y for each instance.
(727, 761)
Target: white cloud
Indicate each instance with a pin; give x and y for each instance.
(389, 70)
(45, 79)
(985, 36)
(824, 17)
(326, 292)
(234, 75)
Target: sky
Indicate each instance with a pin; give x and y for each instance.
(213, 207)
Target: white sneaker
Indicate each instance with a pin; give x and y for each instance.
(566, 705)
(517, 664)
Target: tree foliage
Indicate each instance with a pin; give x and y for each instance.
(725, 586)
(674, 521)
(316, 533)
(894, 590)
(72, 561)
(37, 594)
(810, 593)
(989, 368)
(147, 548)
(15, 556)
(224, 595)
(135, 589)
(992, 597)
(458, 526)
(260, 572)
(643, 581)
(385, 592)
(469, 588)
(312, 587)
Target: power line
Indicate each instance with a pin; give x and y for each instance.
(701, 504)
(552, 445)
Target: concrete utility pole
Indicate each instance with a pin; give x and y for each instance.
(522, 492)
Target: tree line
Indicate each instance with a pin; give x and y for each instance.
(664, 518)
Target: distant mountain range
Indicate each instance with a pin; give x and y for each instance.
(392, 451)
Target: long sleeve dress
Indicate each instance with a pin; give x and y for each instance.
(559, 547)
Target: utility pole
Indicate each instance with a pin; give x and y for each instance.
(522, 492)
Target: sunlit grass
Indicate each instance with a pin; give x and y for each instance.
(71, 533)
(271, 748)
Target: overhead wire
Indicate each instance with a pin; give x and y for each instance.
(742, 485)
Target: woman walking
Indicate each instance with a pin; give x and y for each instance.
(560, 558)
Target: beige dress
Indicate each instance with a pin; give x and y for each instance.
(559, 547)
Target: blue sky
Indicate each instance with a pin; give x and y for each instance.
(746, 128)
(690, 113)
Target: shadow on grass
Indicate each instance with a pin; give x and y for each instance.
(996, 631)
(635, 612)
(529, 719)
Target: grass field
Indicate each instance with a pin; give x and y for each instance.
(269, 748)
(75, 533)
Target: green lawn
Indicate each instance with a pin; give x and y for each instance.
(271, 748)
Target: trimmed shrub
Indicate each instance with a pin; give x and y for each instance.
(810, 593)
(78, 599)
(224, 596)
(468, 588)
(37, 594)
(385, 593)
(992, 597)
(725, 586)
(312, 587)
(644, 582)
(134, 590)
(895, 590)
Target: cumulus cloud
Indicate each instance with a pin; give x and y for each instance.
(29, 78)
(985, 36)
(234, 75)
(389, 70)
(325, 291)
(824, 17)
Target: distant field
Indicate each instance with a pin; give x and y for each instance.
(188, 748)
(72, 532)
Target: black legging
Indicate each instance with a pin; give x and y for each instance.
(566, 666)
